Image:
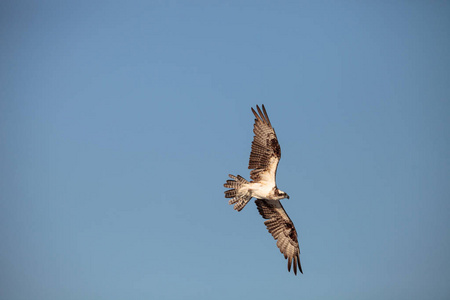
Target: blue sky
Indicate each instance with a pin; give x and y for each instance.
(120, 121)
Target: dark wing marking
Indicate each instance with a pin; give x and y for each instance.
(282, 229)
(266, 151)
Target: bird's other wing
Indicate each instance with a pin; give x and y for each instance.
(266, 151)
(282, 229)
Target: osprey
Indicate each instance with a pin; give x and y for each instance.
(264, 158)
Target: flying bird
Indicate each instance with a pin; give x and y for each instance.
(264, 158)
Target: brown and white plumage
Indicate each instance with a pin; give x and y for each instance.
(264, 158)
(266, 151)
(282, 229)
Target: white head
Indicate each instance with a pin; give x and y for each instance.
(281, 194)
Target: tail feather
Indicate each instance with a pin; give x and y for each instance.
(240, 202)
(239, 199)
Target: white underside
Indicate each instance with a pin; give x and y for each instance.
(257, 190)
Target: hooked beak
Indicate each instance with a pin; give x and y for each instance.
(287, 196)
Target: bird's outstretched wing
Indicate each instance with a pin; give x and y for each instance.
(282, 229)
(266, 151)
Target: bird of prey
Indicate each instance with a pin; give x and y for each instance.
(264, 158)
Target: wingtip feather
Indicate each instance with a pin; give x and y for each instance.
(266, 115)
(262, 116)
(289, 264)
(256, 115)
(299, 265)
(295, 265)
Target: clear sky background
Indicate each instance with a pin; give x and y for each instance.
(120, 121)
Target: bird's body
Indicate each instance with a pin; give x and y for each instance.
(258, 190)
(264, 158)
(261, 191)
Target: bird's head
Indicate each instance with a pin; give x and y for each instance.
(283, 194)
